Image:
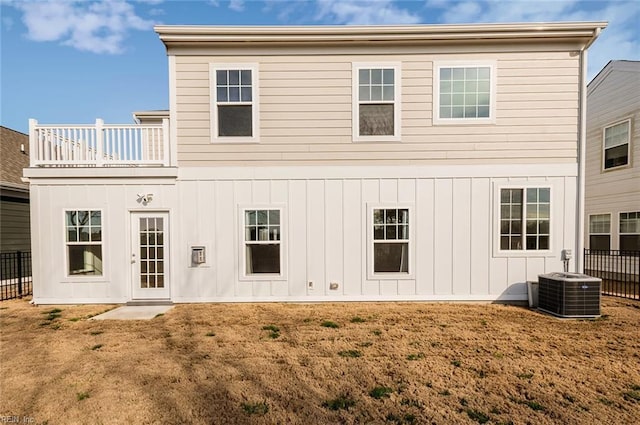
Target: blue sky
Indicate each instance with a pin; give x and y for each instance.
(68, 62)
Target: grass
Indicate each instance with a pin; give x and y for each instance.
(274, 331)
(255, 408)
(350, 353)
(168, 372)
(380, 392)
(478, 416)
(329, 324)
(357, 319)
(633, 395)
(342, 402)
(82, 395)
(456, 363)
(415, 356)
(534, 405)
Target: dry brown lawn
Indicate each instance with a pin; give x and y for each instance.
(385, 363)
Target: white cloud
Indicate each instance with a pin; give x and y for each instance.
(359, 12)
(98, 27)
(621, 39)
(237, 5)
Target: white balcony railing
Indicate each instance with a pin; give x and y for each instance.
(99, 145)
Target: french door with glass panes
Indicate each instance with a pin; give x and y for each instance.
(150, 255)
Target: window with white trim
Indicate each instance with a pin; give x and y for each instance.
(616, 145)
(234, 108)
(391, 240)
(600, 232)
(83, 237)
(464, 93)
(525, 219)
(262, 241)
(376, 102)
(630, 231)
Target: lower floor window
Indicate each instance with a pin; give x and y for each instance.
(391, 240)
(262, 241)
(600, 232)
(525, 216)
(83, 230)
(630, 231)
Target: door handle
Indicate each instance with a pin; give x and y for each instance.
(133, 258)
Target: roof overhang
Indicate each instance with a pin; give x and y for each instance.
(582, 33)
(149, 116)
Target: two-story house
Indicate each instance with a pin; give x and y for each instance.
(613, 158)
(431, 162)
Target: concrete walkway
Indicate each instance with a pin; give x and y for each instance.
(138, 312)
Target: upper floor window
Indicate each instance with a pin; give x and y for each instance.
(630, 231)
(234, 108)
(600, 232)
(464, 93)
(616, 145)
(525, 215)
(376, 109)
(83, 229)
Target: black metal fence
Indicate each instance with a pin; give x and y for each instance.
(619, 271)
(15, 275)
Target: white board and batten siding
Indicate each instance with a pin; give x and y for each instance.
(326, 238)
(454, 219)
(305, 111)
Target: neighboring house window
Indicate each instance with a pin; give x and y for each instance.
(600, 232)
(525, 219)
(376, 102)
(630, 231)
(234, 106)
(464, 93)
(83, 230)
(262, 241)
(391, 240)
(616, 145)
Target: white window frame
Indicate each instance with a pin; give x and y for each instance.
(600, 233)
(437, 66)
(498, 252)
(84, 277)
(371, 275)
(255, 102)
(620, 233)
(628, 143)
(243, 276)
(397, 101)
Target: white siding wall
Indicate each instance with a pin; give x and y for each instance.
(613, 191)
(326, 236)
(305, 111)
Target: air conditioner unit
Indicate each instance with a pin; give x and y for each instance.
(572, 295)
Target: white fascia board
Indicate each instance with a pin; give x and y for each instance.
(344, 34)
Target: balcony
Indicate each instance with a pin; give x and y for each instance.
(99, 145)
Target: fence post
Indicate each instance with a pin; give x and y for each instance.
(19, 274)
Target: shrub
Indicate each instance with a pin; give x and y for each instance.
(380, 392)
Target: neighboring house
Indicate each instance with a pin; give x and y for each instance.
(613, 158)
(325, 163)
(14, 193)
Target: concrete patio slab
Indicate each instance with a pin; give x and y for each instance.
(139, 312)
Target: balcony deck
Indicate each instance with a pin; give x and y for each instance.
(99, 145)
